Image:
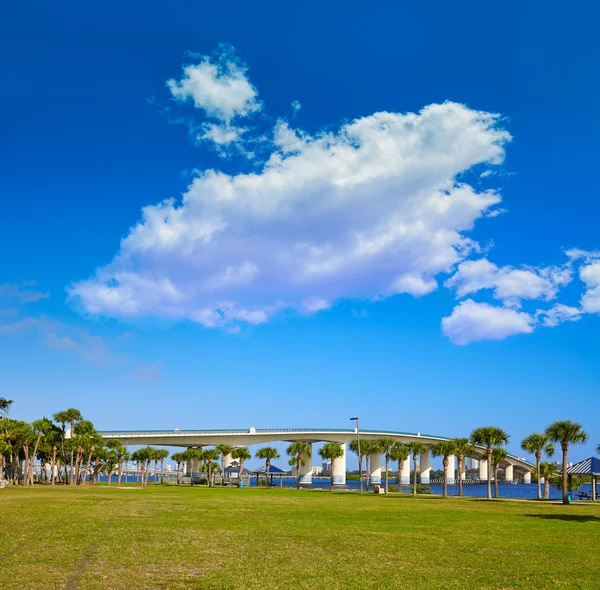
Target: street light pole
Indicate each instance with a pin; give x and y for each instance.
(359, 457)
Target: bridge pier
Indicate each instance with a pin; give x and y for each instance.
(405, 475)
(306, 471)
(509, 474)
(527, 477)
(375, 468)
(339, 468)
(227, 461)
(450, 470)
(483, 470)
(425, 467)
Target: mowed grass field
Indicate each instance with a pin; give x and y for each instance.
(183, 537)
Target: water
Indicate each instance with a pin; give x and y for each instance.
(473, 490)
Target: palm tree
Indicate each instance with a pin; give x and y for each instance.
(444, 449)
(536, 444)
(415, 448)
(162, 454)
(210, 456)
(179, 459)
(489, 437)
(566, 432)
(268, 454)
(331, 451)
(498, 455)
(71, 415)
(359, 449)
(188, 456)
(241, 454)
(367, 448)
(462, 448)
(547, 470)
(386, 446)
(299, 452)
(400, 453)
(224, 450)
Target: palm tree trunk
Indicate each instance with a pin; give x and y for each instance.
(241, 470)
(72, 429)
(547, 488)
(400, 468)
(496, 494)
(460, 472)
(298, 465)
(120, 472)
(368, 474)
(162, 471)
(415, 475)
(387, 477)
(489, 473)
(565, 450)
(538, 457)
(53, 465)
(331, 484)
(445, 463)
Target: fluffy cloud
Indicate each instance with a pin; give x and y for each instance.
(510, 285)
(371, 209)
(558, 314)
(471, 321)
(590, 275)
(218, 86)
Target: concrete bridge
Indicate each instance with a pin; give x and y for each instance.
(513, 466)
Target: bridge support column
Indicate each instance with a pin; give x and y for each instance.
(483, 470)
(195, 467)
(375, 466)
(527, 477)
(405, 475)
(339, 468)
(425, 467)
(306, 471)
(227, 461)
(509, 474)
(450, 470)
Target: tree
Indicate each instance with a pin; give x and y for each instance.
(498, 455)
(40, 427)
(300, 453)
(331, 451)
(566, 432)
(179, 459)
(188, 456)
(210, 456)
(5, 406)
(400, 453)
(224, 450)
(489, 437)
(368, 448)
(241, 454)
(162, 454)
(121, 455)
(547, 471)
(444, 449)
(386, 446)
(415, 448)
(536, 444)
(71, 415)
(268, 454)
(462, 448)
(359, 449)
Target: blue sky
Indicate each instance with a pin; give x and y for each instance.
(401, 222)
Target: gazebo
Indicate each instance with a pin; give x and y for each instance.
(590, 467)
(273, 470)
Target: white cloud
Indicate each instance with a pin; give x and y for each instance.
(590, 275)
(510, 284)
(220, 134)
(471, 321)
(147, 373)
(218, 86)
(558, 314)
(371, 209)
(296, 107)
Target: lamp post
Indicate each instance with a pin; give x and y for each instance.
(359, 458)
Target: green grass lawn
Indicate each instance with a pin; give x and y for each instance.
(182, 537)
